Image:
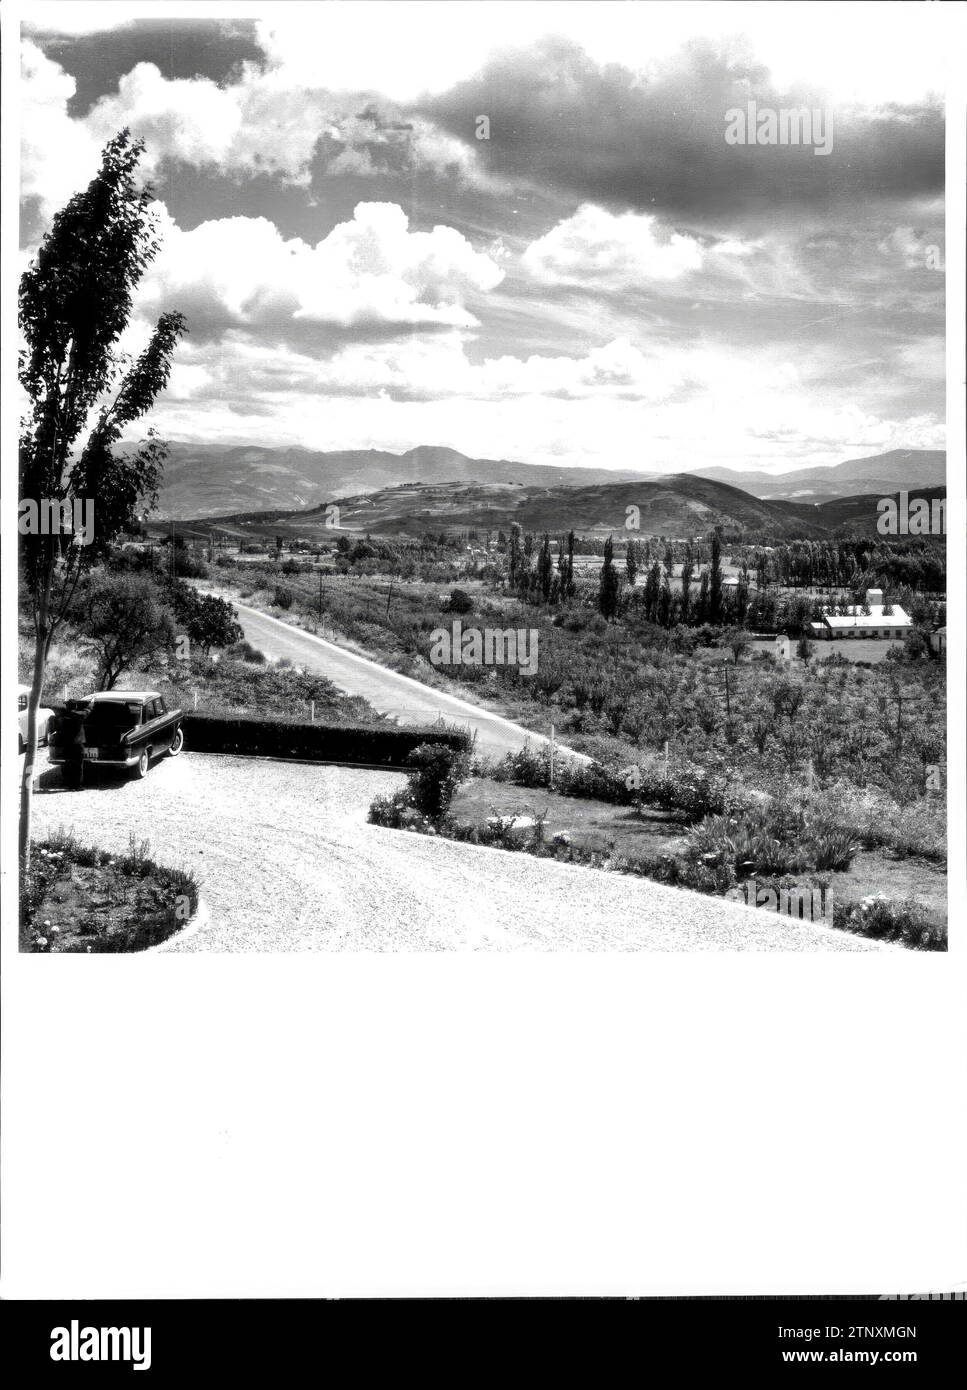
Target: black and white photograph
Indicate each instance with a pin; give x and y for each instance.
(482, 493)
(503, 500)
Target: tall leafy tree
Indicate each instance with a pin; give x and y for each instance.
(688, 570)
(567, 569)
(609, 584)
(82, 393)
(515, 557)
(631, 562)
(652, 586)
(123, 618)
(715, 580)
(545, 567)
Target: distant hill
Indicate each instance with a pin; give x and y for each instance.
(212, 479)
(680, 505)
(881, 473)
(859, 515)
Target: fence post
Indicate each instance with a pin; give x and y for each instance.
(312, 711)
(551, 778)
(194, 694)
(666, 759)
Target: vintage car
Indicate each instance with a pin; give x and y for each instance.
(44, 717)
(124, 728)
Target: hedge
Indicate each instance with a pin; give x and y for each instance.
(380, 745)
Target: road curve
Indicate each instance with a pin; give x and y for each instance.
(405, 699)
(286, 861)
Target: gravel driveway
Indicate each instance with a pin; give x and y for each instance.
(287, 862)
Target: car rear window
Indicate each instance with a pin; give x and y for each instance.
(114, 712)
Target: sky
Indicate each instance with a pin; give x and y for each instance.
(519, 229)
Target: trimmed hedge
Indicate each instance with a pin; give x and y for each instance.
(380, 745)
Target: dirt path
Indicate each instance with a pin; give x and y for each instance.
(287, 862)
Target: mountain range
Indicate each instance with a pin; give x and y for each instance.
(218, 480)
(881, 473)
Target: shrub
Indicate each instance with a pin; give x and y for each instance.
(282, 598)
(903, 921)
(773, 838)
(244, 651)
(460, 601)
(437, 772)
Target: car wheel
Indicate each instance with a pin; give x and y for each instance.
(49, 726)
(177, 743)
(22, 745)
(142, 766)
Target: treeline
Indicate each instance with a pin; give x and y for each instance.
(853, 565)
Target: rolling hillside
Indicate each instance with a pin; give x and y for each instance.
(881, 473)
(680, 505)
(213, 480)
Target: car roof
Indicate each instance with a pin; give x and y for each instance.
(120, 696)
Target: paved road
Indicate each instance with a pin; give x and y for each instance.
(405, 699)
(287, 862)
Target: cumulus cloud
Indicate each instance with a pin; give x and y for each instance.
(622, 137)
(265, 122)
(57, 155)
(370, 273)
(594, 246)
(615, 405)
(914, 248)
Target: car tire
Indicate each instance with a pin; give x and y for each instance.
(142, 765)
(49, 725)
(177, 743)
(22, 744)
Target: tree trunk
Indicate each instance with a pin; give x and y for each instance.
(41, 640)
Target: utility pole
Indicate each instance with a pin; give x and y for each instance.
(320, 596)
(551, 777)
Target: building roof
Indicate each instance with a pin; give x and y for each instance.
(875, 618)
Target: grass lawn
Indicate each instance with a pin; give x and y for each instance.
(593, 825)
(601, 827)
(879, 871)
(866, 649)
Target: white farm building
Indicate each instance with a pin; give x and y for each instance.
(857, 623)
